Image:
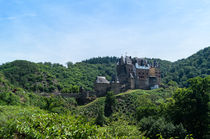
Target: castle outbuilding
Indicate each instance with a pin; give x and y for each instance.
(102, 86)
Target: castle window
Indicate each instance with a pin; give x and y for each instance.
(141, 77)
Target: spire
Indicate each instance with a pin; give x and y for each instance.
(121, 60)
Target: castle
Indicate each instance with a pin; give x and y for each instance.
(132, 73)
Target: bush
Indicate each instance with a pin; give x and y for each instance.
(9, 98)
(145, 111)
(152, 126)
(120, 129)
(29, 122)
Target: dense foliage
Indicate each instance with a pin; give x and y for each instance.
(195, 65)
(190, 106)
(48, 77)
(4, 84)
(29, 76)
(154, 126)
(54, 104)
(29, 122)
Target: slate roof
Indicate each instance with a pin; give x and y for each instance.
(102, 79)
(142, 67)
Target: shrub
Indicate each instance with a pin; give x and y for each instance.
(29, 122)
(145, 111)
(9, 98)
(153, 126)
(120, 129)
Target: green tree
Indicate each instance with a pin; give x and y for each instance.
(191, 106)
(145, 111)
(110, 102)
(69, 64)
(146, 107)
(100, 119)
(9, 98)
(153, 126)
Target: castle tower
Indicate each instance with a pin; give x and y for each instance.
(154, 76)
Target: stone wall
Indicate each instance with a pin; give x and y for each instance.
(116, 88)
(143, 84)
(101, 89)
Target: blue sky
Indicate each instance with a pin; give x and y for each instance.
(73, 30)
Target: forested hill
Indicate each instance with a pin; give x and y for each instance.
(196, 65)
(48, 77)
(28, 75)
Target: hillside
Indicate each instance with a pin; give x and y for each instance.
(196, 65)
(28, 75)
(48, 77)
(30, 122)
(4, 84)
(128, 102)
(79, 74)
